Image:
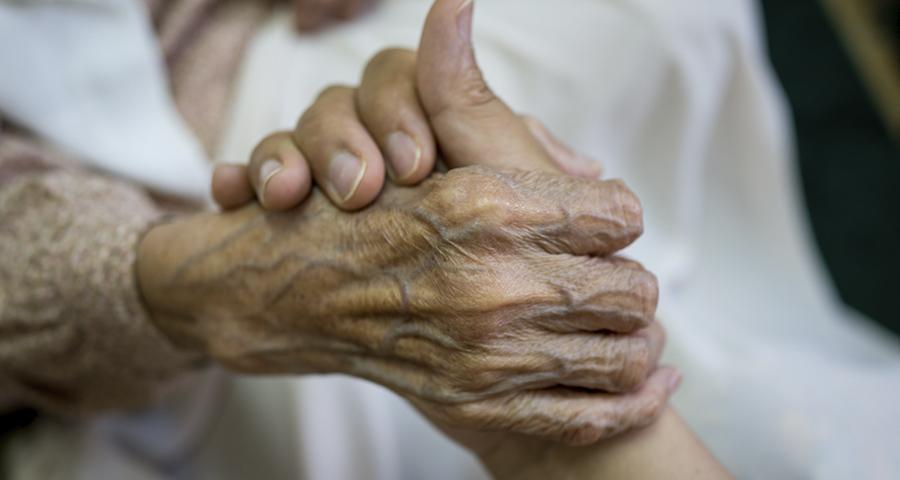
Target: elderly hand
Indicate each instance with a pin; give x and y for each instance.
(472, 295)
(480, 295)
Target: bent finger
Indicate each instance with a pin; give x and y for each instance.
(345, 161)
(231, 186)
(473, 126)
(279, 173)
(593, 294)
(389, 107)
(574, 417)
(609, 362)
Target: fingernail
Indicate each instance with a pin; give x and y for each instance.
(267, 171)
(464, 19)
(404, 154)
(345, 174)
(674, 381)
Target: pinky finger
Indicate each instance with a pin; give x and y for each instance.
(231, 186)
(576, 417)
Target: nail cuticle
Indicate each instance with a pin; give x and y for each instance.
(405, 155)
(343, 165)
(267, 171)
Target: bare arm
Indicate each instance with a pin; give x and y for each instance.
(667, 449)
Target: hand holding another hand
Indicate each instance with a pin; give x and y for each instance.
(490, 297)
(473, 295)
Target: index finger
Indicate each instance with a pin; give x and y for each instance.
(558, 213)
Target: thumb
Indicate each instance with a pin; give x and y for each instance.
(472, 125)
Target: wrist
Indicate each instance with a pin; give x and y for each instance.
(519, 458)
(158, 255)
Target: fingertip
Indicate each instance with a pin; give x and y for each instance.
(286, 188)
(664, 382)
(403, 156)
(446, 58)
(364, 189)
(231, 186)
(410, 159)
(388, 104)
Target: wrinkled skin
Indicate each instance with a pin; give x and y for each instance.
(478, 295)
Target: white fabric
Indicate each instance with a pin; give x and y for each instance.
(677, 99)
(88, 76)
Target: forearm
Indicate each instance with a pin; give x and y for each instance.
(667, 449)
(74, 336)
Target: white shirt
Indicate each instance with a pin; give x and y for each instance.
(678, 99)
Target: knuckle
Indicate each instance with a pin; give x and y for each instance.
(469, 93)
(312, 119)
(273, 138)
(645, 289)
(629, 206)
(635, 365)
(322, 114)
(269, 143)
(473, 91)
(388, 58)
(635, 294)
(332, 91)
(471, 196)
(477, 93)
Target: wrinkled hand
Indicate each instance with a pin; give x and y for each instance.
(480, 295)
(473, 295)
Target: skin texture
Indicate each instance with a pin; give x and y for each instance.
(408, 108)
(478, 295)
(499, 323)
(667, 449)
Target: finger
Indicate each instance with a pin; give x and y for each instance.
(345, 161)
(310, 15)
(590, 294)
(573, 417)
(568, 160)
(609, 362)
(389, 107)
(231, 186)
(555, 213)
(591, 217)
(472, 125)
(279, 173)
